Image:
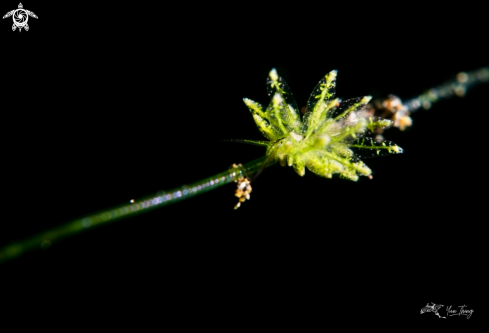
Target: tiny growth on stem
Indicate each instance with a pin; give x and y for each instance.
(244, 186)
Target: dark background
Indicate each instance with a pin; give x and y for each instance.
(105, 103)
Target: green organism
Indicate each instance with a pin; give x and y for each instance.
(329, 139)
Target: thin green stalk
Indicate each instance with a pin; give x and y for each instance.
(162, 198)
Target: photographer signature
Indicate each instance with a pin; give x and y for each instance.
(434, 308)
(461, 312)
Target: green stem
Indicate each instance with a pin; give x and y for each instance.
(162, 198)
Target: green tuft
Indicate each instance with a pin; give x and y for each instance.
(330, 139)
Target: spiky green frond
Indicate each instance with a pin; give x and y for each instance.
(350, 105)
(376, 123)
(290, 113)
(282, 114)
(251, 142)
(320, 103)
(368, 147)
(269, 130)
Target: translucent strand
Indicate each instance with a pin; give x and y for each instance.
(456, 87)
(162, 198)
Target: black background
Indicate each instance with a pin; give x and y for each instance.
(105, 103)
